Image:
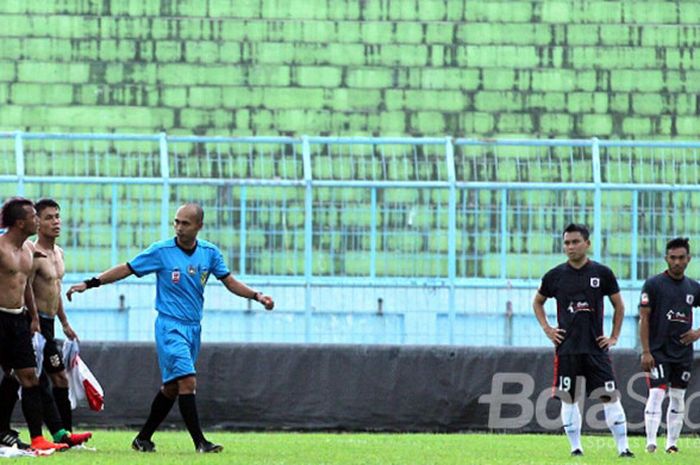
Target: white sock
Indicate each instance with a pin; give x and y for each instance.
(652, 414)
(675, 415)
(571, 419)
(617, 422)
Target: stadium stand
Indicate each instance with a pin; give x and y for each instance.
(379, 208)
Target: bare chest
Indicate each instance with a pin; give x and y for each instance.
(50, 267)
(15, 262)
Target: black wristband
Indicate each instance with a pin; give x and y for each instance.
(256, 296)
(93, 282)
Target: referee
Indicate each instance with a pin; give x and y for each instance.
(182, 265)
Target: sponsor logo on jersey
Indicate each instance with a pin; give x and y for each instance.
(679, 317)
(203, 277)
(644, 300)
(582, 306)
(595, 282)
(175, 276)
(191, 270)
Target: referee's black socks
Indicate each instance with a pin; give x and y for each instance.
(159, 410)
(188, 409)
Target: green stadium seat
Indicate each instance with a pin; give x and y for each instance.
(506, 170)
(235, 167)
(398, 264)
(147, 235)
(538, 243)
(358, 216)
(401, 195)
(644, 172)
(294, 239)
(368, 168)
(621, 267)
(619, 244)
(400, 170)
(88, 259)
(294, 216)
(405, 242)
(263, 168)
(526, 266)
(617, 199)
(37, 163)
(421, 217)
(357, 263)
(290, 168)
(617, 172)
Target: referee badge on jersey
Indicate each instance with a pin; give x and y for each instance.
(595, 282)
(689, 299)
(175, 276)
(191, 270)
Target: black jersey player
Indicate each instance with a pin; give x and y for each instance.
(579, 287)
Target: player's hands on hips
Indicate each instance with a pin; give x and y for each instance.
(267, 302)
(605, 342)
(689, 337)
(80, 287)
(556, 335)
(648, 361)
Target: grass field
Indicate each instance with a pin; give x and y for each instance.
(113, 448)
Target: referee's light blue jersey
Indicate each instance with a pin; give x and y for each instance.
(180, 275)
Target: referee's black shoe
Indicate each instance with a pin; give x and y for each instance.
(627, 453)
(206, 447)
(143, 445)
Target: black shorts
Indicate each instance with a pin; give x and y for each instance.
(673, 374)
(53, 358)
(16, 349)
(595, 368)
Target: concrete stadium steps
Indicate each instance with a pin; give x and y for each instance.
(554, 69)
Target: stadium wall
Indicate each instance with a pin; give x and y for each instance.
(359, 388)
(569, 68)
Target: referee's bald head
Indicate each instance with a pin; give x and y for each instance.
(196, 209)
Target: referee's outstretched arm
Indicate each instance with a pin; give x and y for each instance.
(106, 277)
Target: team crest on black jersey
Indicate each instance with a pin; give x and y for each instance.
(689, 299)
(595, 282)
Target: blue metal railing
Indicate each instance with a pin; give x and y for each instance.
(474, 184)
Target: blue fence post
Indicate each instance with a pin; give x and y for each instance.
(243, 234)
(635, 236)
(308, 236)
(373, 234)
(597, 228)
(451, 238)
(504, 231)
(165, 195)
(19, 161)
(114, 223)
